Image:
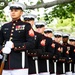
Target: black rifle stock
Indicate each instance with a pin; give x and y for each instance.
(3, 63)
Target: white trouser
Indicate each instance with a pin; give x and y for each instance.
(62, 74)
(53, 74)
(15, 72)
(45, 73)
(68, 73)
(33, 74)
(73, 73)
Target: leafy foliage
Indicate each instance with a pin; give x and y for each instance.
(2, 16)
(48, 18)
(65, 16)
(38, 2)
(62, 11)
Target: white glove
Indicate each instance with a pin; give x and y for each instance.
(69, 58)
(6, 50)
(9, 44)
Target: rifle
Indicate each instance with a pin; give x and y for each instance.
(3, 63)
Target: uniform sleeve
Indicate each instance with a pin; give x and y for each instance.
(57, 53)
(65, 55)
(29, 37)
(72, 52)
(49, 48)
(1, 39)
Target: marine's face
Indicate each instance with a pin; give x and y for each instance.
(40, 30)
(57, 39)
(65, 40)
(50, 35)
(15, 13)
(72, 43)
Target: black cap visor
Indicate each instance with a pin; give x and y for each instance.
(47, 32)
(65, 36)
(71, 40)
(14, 7)
(28, 19)
(39, 26)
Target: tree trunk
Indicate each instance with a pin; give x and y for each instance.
(49, 4)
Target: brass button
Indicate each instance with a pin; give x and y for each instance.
(12, 30)
(12, 27)
(31, 53)
(19, 47)
(3, 45)
(22, 46)
(16, 29)
(34, 53)
(47, 55)
(19, 31)
(5, 32)
(44, 55)
(15, 47)
(14, 24)
(11, 34)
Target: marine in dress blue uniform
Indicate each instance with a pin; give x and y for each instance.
(1, 56)
(47, 54)
(72, 52)
(30, 18)
(21, 35)
(57, 53)
(69, 48)
(48, 32)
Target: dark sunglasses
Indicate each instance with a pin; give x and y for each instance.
(65, 37)
(39, 26)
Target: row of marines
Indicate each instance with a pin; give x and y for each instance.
(50, 55)
(50, 52)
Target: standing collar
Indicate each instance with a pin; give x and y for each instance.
(14, 21)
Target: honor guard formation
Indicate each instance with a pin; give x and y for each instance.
(26, 50)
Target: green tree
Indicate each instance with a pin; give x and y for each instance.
(62, 11)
